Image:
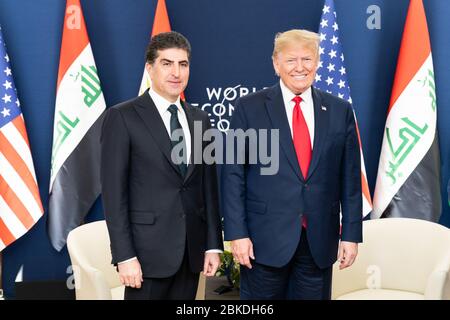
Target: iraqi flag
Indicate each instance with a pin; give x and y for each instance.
(160, 24)
(75, 163)
(408, 181)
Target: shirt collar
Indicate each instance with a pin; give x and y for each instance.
(161, 103)
(288, 95)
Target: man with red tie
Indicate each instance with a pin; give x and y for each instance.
(285, 228)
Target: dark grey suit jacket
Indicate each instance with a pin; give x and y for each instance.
(152, 212)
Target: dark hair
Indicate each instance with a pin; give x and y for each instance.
(166, 40)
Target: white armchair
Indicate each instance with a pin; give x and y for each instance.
(400, 259)
(95, 277)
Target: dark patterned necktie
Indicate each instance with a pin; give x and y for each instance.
(175, 125)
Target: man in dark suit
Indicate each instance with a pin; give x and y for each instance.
(161, 209)
(285, 227)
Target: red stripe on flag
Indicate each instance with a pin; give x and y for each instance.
(19, 123)
(161, 22)
(365, 189)
(415, 40)
(5, 235)
(15, 204)
(74, 38)
(357, 132)
(364, 183)
(20, 167)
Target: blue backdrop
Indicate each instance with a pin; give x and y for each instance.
(232, 46)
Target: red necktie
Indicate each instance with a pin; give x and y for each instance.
(302, 140)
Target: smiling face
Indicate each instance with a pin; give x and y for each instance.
(296, 65)
(169, 73)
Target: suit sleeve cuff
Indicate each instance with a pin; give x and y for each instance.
(128, 260)
(214, 251)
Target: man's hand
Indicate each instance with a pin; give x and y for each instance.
(347, 254)
(212, 261)
(242, 250)
(130, 273)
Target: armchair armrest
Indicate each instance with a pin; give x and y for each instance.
(91, 284)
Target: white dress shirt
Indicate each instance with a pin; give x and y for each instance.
(306, 105)
(162, 105)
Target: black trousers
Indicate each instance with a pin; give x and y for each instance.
(300, 279)
(181, 286)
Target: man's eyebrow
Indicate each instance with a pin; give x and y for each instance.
(171, 61)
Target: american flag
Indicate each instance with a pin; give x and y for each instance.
(20, 203)
(332, 77)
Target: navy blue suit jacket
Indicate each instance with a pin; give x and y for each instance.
(268, 208)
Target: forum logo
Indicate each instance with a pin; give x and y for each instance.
(220, 104)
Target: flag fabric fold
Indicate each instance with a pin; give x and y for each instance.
(75, 162)
(20, 202)
(408, 180)
(332, 77)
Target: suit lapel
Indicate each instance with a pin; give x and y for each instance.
(148, 112)
(277, 113)
(321, 119)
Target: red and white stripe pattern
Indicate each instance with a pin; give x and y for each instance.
(332, 77)
(366, 198)
(20, 203)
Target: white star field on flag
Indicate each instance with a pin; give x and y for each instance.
(9, 103)
(331, 74)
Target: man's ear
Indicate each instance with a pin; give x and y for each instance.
(275, 66)
(148, 67)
